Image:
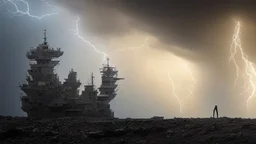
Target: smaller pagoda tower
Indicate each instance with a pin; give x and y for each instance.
(89, 93)
(89, 98)
(109, 77)
(71, 85)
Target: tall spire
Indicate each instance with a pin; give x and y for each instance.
(45, 42)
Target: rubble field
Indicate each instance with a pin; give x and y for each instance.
(21, 130)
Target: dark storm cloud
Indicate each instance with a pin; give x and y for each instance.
(201, 29)
(204, 27)
(99, 17)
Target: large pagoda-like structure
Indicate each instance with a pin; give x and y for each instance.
(45, 96)
(43, 85)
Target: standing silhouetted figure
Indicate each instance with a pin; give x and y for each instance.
(215, 110)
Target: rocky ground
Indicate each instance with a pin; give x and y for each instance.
(132, 131)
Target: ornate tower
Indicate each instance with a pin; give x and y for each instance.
(43, 85)
(107, 88)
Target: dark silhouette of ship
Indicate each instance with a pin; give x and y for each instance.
(46, 97)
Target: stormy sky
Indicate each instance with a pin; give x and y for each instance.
(189, 40)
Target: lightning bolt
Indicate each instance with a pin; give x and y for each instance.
(27, 12)
(105, 55)
(249, 69)
(76, 32)
(174, 91)
(190, 88)
(19, 12)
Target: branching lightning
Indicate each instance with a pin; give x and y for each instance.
(76, 32)
(249, 69)
(19, 12)
(105, 55)
(190, 88)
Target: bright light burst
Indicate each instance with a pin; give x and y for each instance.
(249, 69)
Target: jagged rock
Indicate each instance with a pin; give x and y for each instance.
(83, 135)
(35, 130)
(170, 132)
(96, 134)
(248, 126)
(142, 142)
(55, 138)
(203, 131)
(50, 133)
(158, 129)
(116, 132)
(121, 141)
(187, 134)
(107, 133)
